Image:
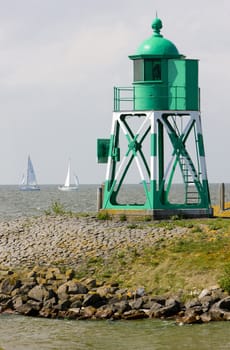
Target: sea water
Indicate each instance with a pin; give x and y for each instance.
(15, 203)
(22, 333)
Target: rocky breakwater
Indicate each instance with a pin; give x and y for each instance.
(50, 293)
(40, 260)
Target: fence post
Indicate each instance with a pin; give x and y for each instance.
(99, 198)
(222, 196)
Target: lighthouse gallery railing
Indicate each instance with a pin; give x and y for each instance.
(172, 97)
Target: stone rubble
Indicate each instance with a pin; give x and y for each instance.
(37, 247)
(47, 292)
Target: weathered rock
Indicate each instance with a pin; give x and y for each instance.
(76, 304)
(39, 293)
(87, 312)
(140, 292)
(216, 314)
(221, 310)
(204, 293)
(205, 317)
(71, 287)
(94, 300)
(76, 288)
(28, 309)
(106, 291)
(136, 304)
(226, 316)
(25, 287)
(189, 317)
(171, 308)
(208, 301)
(134, 315)
(104, 312)
(147, 302)
(90, 283)
(121, 307)
(213, 291)
(4, 297)
(48, 312)
(74, 312)
(154, 310)
(193, 303)
(9, 284)
(6, 304)
(224, 304)
(17, 302)
(50, 303)
(62, 292)
(63, 305)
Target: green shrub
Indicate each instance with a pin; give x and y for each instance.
(147, 218)
(132, 226)
(123, 217)
(103, 216)
(58, 208)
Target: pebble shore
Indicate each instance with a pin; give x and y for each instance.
(55, 239)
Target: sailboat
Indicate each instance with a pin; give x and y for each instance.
(67, 185)
(29, 182)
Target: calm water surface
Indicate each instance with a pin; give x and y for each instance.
(15, 203)
(19, 333)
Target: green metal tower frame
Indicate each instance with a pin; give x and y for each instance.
(160, 174)
(166, 103)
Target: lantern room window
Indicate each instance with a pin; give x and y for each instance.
(138, 70)
(153, 70)
(147, 70)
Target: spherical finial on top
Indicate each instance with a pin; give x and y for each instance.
(157, 25)
(156, 45)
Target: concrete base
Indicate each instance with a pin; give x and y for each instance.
(157, 214)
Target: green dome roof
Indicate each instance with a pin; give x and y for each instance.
(156, 45)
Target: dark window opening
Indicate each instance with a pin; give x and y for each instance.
(156, 70)
(152, 70)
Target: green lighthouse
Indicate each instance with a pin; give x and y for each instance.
(156, 128)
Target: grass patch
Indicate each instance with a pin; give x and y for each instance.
(103, 215)
(58, 208)
(225, 279)
(123, 217)
(190, 263)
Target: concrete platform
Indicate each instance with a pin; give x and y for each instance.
(158, 214)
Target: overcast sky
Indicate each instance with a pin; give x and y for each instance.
(59, 61)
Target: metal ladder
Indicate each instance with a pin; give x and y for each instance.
(191, 191)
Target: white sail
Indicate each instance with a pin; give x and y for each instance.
(30, 182)
(23, 181)
(67, 185)
(67, 179)
(76, 180)
(31, 178)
